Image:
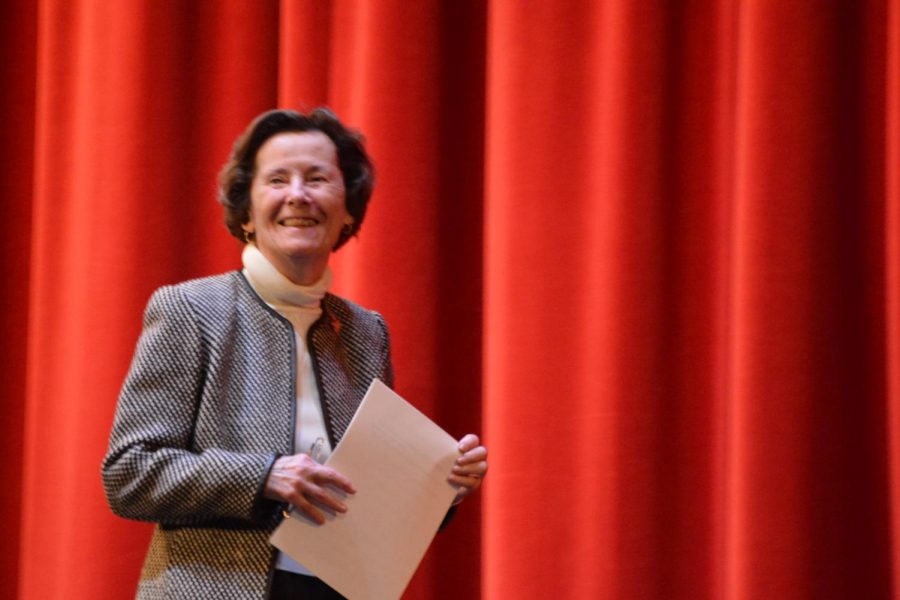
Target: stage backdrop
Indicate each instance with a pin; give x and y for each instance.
(651, 250)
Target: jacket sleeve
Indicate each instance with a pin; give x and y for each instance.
(387, 364)
(151, 472)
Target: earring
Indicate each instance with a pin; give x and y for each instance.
(248, 237)
(347, 230)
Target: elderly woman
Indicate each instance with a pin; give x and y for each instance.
(242, 383)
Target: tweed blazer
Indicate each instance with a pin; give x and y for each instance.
(206, 408)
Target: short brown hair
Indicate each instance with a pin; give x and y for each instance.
(355, 165)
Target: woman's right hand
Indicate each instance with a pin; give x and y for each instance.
(300, 481)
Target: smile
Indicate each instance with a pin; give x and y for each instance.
(299, 222)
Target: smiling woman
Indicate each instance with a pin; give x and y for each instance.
(243, 383)
(297, 208)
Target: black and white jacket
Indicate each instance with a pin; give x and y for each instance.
(206, 408)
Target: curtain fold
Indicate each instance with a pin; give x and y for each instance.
(891, 260)
(18, 24)
(137, 105)
(807, 488)
(618, 359)
(648, 250)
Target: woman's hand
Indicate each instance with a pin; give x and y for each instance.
(300, 481)
(470, 467)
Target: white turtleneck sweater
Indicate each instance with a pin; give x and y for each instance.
(301, 305)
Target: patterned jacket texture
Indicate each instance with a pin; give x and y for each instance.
(207, 407)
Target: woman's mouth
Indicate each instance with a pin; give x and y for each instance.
(299, 222)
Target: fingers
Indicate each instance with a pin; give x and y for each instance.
(467, 442)
(326, 476)
(470, 449)
(470, 467)
(473, 457)
(309, 509)
(477, 454)
(469, 482)
(319, 493)
(465, 484)
(473, 469)
(304, 484)
(315, 501)
(469, 475)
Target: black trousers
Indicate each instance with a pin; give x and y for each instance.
(291, 586)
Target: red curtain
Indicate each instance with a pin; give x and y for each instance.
(650, 250)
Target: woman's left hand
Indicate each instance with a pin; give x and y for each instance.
(470, 467)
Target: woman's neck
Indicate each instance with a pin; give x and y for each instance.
(305, 271)
(275, 288)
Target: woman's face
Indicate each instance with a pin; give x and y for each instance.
(297, 203)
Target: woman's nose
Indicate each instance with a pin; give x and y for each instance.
(296, 190)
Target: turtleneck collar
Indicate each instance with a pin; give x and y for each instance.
(276, 289)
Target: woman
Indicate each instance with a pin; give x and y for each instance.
(242, 383)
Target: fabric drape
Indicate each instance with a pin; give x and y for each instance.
(648, 249)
